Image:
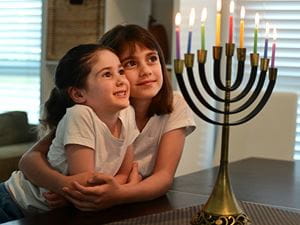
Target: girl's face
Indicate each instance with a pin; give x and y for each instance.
(143, 70)
(106, 89)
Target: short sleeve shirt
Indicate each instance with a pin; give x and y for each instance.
(147, 143)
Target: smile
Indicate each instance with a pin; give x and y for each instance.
(146, 82)
(120, 93)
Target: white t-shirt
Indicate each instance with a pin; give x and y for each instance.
(80, 125)
(146, 144)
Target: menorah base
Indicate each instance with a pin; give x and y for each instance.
(203, 218)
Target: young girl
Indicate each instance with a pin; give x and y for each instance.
(163, 118)
(89, 110)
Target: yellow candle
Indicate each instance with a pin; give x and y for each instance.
(256, 33)
(242, 27)
(218, 23)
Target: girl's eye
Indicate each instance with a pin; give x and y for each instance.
(129, 64)
(106, 74)
(122, 71)
(153, 58)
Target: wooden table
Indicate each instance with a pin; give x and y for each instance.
(271, 182)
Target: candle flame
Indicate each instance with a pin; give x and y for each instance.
(204, 15)
(231, 7)
(178, 19)
(243, 12)
(192, 17)
(274, 33)
(219, 5)
(256, 19)
(267, 30)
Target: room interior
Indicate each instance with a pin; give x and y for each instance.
(202, 146)
(270, 180)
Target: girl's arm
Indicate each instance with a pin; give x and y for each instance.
(36, 168)
(124, 171)
(100, 197)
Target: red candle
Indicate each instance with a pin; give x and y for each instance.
(231, 8)
(177, 30)
(273, 48)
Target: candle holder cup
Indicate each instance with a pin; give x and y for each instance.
(222, 206)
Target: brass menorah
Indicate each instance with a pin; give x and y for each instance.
(222, 206)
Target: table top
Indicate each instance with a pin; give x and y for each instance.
(266, 181)
(271, 182)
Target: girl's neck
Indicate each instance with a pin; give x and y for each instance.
(112, 121)
(141, 110)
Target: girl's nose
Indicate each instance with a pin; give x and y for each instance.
(145, 71)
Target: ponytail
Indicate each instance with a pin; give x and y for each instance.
(55, 108)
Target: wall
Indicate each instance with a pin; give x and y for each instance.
(129, 11)
(199, 147)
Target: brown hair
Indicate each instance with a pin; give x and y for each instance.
(72, 71)
(123, 37)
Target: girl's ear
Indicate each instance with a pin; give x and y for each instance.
(76, 95)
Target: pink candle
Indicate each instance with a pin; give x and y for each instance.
(177, 30)
(231, 21)
(273, 48)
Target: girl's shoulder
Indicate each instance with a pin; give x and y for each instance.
(179, 102)
(80, 111)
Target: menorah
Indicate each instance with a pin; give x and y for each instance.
(222, 206)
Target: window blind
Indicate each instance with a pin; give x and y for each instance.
(285, 15)
(20, 56)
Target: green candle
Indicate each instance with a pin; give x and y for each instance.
(256, 33)
(203, 19)
(255, 40)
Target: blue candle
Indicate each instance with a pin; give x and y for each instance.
(189, 42)
(191, 24)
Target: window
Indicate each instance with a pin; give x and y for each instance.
(286, 16)
(20, 55)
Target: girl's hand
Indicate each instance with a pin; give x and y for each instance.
(96, 197)
(134, 176)
(55, 200)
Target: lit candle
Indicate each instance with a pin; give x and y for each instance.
(218, 23)
(231, 9)
(266, 41)
(273, 48)
(191, 24)
(203, 19)
(256, 32)
(177, 23)
(242, 27)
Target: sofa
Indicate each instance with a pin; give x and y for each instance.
(16, 137)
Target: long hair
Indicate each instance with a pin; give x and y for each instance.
(72, 71)
(123, 37)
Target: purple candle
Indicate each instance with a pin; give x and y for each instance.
(266, 41)
(177, 23)
(273, 48)
(273, 55)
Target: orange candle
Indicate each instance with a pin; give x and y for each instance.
(218, 23)
(242, 27)
(231, 8)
